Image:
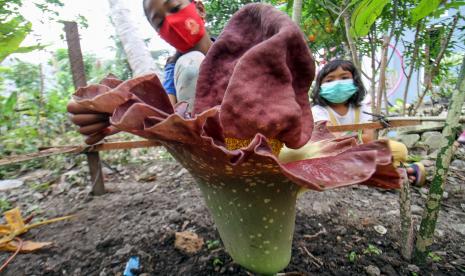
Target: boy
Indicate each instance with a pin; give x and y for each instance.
(180, 23)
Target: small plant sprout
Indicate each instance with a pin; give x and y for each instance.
(217, 262)
(4, 205)
(372, 250)
(352, 256)
(434, 257)
(250, 142)
(213, 244)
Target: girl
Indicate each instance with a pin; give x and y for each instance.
(337, 99)
(338, 95)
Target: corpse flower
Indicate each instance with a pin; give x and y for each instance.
(250, 142)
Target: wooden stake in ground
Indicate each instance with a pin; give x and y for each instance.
(79, 80)
(433, 202)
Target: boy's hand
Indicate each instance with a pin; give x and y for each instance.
(94, 125)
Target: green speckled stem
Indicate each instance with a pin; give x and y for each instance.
(436, 190)
(255, 221)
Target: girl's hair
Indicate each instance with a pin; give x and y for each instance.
(346, 65)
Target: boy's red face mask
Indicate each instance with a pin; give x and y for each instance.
(183, 29)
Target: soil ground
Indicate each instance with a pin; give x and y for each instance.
(334, 233)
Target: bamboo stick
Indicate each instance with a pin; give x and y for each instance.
(50, 151)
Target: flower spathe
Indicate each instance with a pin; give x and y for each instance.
(251, 100)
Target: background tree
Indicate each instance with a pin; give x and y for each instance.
(297, 11)
(137, 53)
(219, 12)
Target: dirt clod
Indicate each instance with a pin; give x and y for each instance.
(188, 242)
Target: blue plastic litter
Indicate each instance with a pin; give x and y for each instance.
(133, 263)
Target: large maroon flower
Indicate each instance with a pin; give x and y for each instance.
(250, 143)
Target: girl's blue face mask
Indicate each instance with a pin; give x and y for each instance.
(338, 91)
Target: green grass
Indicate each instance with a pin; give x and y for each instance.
(5, 205)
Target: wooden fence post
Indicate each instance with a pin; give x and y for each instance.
(79, 79)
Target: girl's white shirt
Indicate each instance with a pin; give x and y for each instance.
(320, 113)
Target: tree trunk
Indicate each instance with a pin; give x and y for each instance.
(137, 53)
(412, 66)
(350, 41)
(431, 71)
(297, 11)
(40, 103)
(433, 202)
(373, 73)
(382, 73)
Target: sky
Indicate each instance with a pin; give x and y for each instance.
(95, 39)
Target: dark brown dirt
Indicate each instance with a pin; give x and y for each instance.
(131, 221)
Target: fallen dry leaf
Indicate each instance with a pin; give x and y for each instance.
(16, 226)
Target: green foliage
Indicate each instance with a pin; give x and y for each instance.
(352, 256)
(119, 65)
(219, 12)
(34, 108)
(4, 205)
(12, 33)
(447, 81)
(414, 158)
(217, 262)
(7, 105)
(213, 244)
(321, 26)
(397, 107)
(40, 187)
(20, 140)
(434, 257)
(424, 8)
(365, 15)
(14, 28)
(372, 250)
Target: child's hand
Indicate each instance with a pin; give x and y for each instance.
(94, 125)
